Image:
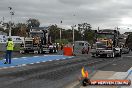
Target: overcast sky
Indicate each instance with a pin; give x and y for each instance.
(98, 13)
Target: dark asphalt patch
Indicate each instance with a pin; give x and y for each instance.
(119, 66)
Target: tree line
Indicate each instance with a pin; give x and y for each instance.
(83, 32)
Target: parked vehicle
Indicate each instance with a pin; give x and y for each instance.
(100, 49)
(125, 50)
(81, 47)
(106, 43)
(38, 41)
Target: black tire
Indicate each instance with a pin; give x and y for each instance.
(43, 52)
(40, 51)
(120, 54)
(86, 82)
(55, 51)
(93, 55)
(51, 51)
(83, 52)
(87, 52)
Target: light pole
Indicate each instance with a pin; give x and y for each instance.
(10, 23)
(73, 34)
(60, 32)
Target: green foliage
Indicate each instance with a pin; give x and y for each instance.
(32, 23)
(65, 34)
(89, 36)
(63, 41)
(19, 30)
(54, 32)
(86, 32)
(129, 41)
(6, 31)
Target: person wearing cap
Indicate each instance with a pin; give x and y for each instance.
(9, 49)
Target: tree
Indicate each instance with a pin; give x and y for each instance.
(19, 30)
(67, 34)
(54, 32)
(33, 23)
(77, 35)
(129, 41)
(84, 27)
(89, 36)
(86, 32)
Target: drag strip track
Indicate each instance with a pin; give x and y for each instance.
(53, 70)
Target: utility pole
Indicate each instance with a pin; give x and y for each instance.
(60, 32)
(73, 31)
(10, 23)
(73, 34)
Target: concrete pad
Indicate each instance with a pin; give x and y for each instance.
(103, 74)
(119, 75)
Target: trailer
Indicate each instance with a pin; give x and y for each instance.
(38, 41)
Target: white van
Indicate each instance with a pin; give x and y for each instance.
(81, 47)
(3, 38)
(17, 39)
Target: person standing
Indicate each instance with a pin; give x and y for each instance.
(9, 49)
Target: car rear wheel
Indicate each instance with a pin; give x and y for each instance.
(83, 52)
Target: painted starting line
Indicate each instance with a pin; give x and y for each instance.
(23, 61)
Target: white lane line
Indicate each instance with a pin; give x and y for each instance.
(15, 58)
(53, 55)
(23, 57)
(38, 62)
(12, 66)
(35, 56)
(50, 60)
(57, 59)
(70, 57)
(46, 55)
(5, 67)
(23, 64)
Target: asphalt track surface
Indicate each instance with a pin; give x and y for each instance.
(60, 73)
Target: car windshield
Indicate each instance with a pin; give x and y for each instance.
(81, 44)
(109, 36)
(36, 34)
(101, 45)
